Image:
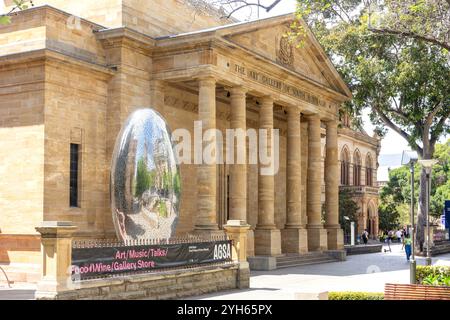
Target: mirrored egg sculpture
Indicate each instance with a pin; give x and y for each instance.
(145, 179)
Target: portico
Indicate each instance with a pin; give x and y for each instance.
(261, 92)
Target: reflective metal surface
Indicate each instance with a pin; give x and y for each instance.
(145, 180)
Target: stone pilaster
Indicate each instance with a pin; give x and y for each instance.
(56, 247)
(317, 235)
(335, 234)
(267, 236)
(294, 235)
(206, 218)
(238, 170)
(157, 95)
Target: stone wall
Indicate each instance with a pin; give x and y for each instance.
(163, 285)
(151, 17)
(75, 112)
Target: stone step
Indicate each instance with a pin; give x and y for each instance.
(305, 256)
(303, 263)
(304, 259)
(311, 260)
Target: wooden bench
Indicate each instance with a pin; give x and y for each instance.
(415, 292)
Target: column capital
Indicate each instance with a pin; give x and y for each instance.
(207, 79)
(294, 110)
(312, 116)
(266, 99)
(238, 90)
(331, 122)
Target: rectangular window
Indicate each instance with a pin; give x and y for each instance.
(74, 174)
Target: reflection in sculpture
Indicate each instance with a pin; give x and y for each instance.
(145, 180)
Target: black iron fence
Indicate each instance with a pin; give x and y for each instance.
(102, 258)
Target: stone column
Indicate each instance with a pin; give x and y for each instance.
(206, 218)
(294, 235)
(376, 227)
(317, 235)
(56, 247)
(238, 171)
(335, 234)
(157, 95)
(362, 218)
(267, 236)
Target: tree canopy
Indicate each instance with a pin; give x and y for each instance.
(5, 17)
(347, 208)
(395, 197)
(402, 79)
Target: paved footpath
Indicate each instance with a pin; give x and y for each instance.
(368, 272)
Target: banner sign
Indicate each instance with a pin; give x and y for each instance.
(447, 214)
(90, 263)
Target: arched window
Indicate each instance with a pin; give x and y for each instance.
(345, 167)
(369, 170)
(357, 168)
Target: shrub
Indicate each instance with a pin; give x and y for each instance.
(433, 275)
(355, 296)
(437, 280)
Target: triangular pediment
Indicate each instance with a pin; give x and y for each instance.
(308, 60)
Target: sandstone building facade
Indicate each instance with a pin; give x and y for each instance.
(72, 71)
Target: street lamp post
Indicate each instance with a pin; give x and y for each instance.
(411, 157)
(428, 166)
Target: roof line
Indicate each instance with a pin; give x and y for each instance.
(228, 26)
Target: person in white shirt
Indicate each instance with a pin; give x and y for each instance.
(399, 235)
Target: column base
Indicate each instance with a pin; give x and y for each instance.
(335, 238)
(250, 243)
(294, 240)
(317, 238)
(262, 263)
(267, 242)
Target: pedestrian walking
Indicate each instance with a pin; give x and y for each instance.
(365, 236)
(403, 238)
(407, 244)
(398, 234)
(389, 239)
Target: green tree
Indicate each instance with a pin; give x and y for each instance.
(144, 178)
(5, 18)
(396, 195)
(440, 179)
(347, 208)
(388, 215)
(402, 78)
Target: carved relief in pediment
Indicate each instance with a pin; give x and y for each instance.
(285, 51)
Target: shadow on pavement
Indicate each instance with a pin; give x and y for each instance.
(16, 294)
(355, 265)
